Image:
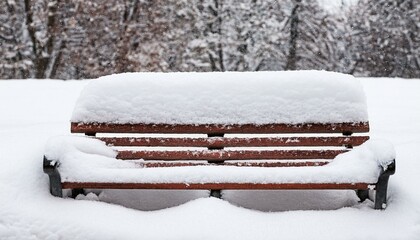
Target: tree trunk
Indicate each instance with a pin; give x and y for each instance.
(42, 54)
(294, 24)
(219, 31)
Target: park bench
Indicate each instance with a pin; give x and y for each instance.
(187, 152)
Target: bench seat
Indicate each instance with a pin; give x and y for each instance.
(218, 161)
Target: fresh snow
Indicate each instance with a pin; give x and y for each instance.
(33, 111)
(223, 98)
(90, 160)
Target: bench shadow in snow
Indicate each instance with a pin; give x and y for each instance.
(261, 200)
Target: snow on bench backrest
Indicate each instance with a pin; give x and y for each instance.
(223, 98)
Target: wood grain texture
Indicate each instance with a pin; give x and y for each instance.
(347, 128)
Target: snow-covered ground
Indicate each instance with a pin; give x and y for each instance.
(32, 111)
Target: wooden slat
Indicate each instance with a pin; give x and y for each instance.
(203, 186)
(155, 164)
(219, 142)
(217, 128)
(223, 155)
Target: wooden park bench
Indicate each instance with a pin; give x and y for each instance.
(276, 145)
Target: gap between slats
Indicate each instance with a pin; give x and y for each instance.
(158, 164)
(216, 142)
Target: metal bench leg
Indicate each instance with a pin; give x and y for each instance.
(77, 191)
(381, 192)
(362, 194)
(382, 186)
(50, 168)
(216, 193)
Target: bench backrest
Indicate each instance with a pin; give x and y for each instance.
(266, 145)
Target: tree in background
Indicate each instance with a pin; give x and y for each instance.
(15, 46)
(92, 35)
(142, 42)
(255, 37)
(314, 36)
(85, 39)
(385, 39)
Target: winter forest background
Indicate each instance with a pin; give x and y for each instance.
(75, 39)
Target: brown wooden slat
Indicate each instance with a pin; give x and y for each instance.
(154, 164)
(217, 128)
(223, 155)
(219, 142)
(203, 186)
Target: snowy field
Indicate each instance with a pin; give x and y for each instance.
(33, 111)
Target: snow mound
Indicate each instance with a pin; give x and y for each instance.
(90, 197)
(223, 98)
(362, 164)
(61, 145)
(81, 156)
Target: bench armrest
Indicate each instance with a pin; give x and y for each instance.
(50, 167)
(388, 169)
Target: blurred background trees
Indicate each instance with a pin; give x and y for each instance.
(76, 39)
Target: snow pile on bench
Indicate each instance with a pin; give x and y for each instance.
(89, 160)
(223, 98)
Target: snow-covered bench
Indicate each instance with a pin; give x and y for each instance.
(216, 131)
